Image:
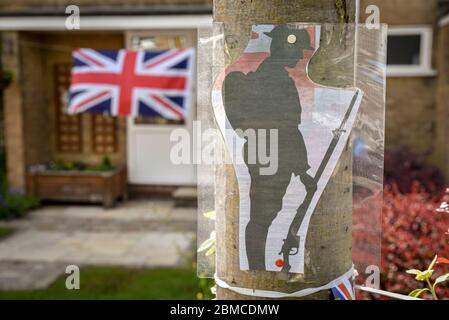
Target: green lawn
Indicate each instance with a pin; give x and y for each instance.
(5, 232)
(123, 283)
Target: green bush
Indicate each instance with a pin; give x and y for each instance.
(105, 166)
(60, 165)
(15, 205)
(5, 232)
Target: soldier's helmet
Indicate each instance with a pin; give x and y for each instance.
(288, 43)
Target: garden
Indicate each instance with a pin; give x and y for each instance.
(414, 245)
(114, 283)
(415, 224)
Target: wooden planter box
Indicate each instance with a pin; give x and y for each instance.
(79, 186)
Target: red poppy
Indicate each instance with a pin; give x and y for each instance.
(279, 263)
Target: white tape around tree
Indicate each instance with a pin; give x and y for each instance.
(279, 295)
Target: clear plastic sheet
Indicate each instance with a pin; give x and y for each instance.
(341, 85)
(368, 149)
(210, 65)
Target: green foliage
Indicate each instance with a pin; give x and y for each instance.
(418, 292)
(60, 165)
(421, 275)
(209, 245)
(441, 279)
(5, 232)
(106, 165)
(426, 276)
(206, 289)
(6, 78)
(209, 249)
(102, 283)
(15, 205)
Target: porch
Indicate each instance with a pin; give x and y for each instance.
(39, 132)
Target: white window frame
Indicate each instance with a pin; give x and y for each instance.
(424, 69)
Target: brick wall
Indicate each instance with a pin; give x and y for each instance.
(58, 48)
(415, 111)
(36, 114)
(14, 133)
(30, 99)
(400, 12)
(441, 153)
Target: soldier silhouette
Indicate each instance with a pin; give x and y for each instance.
(268, 99)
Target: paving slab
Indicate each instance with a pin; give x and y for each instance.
(22, 275)
(148, 249)
(139, 233)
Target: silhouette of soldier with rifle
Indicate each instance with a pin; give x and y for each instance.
(268, 99)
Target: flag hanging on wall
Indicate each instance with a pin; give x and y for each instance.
(132, 83)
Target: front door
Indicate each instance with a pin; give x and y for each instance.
(149, 138)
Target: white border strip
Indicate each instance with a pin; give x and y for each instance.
(279, 295)
(386, 293)
(424, 69)
(105, 22)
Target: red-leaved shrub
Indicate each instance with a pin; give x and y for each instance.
(413, 232)
(403, 168)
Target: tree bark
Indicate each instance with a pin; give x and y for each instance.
(328, 243)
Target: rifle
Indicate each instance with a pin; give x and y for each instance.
(291, 243)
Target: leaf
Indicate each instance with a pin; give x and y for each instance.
(441, 279)
(424, 275)
(442, 260)
(417, 292)
(434, 261)
(208, 243)
(211, 251)
(213, 290)
(414, 271)
(212, 215)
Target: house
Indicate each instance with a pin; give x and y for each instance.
(36, 48)
(417, 77)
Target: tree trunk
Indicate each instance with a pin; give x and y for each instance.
(328, 243)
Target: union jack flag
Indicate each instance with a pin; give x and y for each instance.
(345, 290)
(132, 83)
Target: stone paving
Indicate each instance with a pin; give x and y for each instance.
(135, 234)
(20, 275)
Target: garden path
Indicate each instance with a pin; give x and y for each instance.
(138, 233)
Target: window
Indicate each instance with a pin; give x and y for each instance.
(409, 51)
(68, 127)
(104, 133)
